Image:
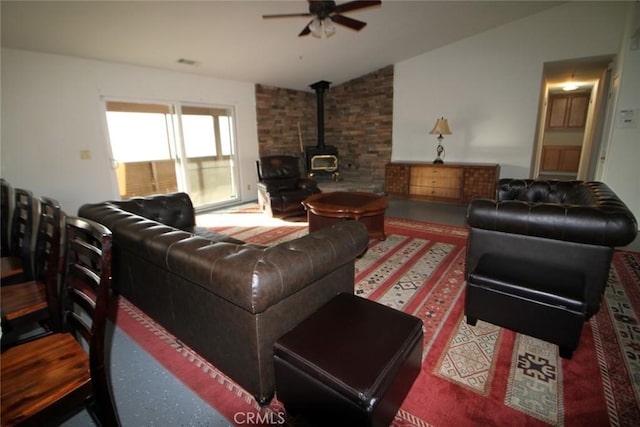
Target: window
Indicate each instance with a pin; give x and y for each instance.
(166, 148)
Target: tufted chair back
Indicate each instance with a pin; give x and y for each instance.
(281, 172)
(578, 211)
(581, 193)
(175, 209)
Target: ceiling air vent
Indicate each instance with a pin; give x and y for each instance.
(187, 61)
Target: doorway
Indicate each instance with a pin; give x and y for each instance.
(164, 148)
(573, 102)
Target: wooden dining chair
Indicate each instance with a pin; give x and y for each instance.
(6, 212)
(44, 381)
(30, 309)
(17, 266)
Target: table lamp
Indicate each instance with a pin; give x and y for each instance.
(441, 128)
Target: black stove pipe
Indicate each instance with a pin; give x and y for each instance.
(320, 87)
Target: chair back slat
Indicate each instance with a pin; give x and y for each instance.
(86, 296)
(6, 213)
(47, 249)
(24, 222)
(83, 295)
(48, 255)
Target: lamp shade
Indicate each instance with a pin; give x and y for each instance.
(441, 127)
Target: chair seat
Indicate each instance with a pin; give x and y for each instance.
(10, 266)
(71, 375)
(547, 284)
(541, 301)
(23, 299)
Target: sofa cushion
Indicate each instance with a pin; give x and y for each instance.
(548, 284)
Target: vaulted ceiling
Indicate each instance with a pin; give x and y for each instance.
(231, 40)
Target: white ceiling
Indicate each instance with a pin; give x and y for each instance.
(583, 71)
(230, 40)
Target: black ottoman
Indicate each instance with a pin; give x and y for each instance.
(544, 301)
(352, 363)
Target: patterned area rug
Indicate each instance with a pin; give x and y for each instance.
(482, 375)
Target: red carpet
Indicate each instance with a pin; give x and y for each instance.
(470, 376)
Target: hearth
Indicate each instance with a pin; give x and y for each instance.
(322, 159)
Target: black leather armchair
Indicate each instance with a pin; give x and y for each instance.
(538, 256)
(281, 186)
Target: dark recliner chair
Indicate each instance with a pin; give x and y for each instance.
(281, 186)
(538, 256)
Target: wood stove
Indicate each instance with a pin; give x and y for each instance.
(322, 159)
(324, 162)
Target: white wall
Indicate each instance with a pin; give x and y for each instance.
(52, 108)
(620, 170)
(488, 85)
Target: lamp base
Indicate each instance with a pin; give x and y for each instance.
(439, 151)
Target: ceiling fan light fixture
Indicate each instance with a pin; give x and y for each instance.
(325, 13)
(329, 28)
(315, 26)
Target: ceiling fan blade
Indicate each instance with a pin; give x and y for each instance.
(286, 15)
(355, 5)
(354, 24)
(305, 31)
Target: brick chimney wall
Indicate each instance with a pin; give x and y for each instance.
(358, 121)
(279, 112)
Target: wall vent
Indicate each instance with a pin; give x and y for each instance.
(187, 61)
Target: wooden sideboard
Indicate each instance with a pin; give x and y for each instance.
(447, 182)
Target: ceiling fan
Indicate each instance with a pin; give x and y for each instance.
(324, 12)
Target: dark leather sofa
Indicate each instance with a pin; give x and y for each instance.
(227, 300)
(538, 256)
(282, 187)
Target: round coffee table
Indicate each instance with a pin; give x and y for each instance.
(325, 209)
